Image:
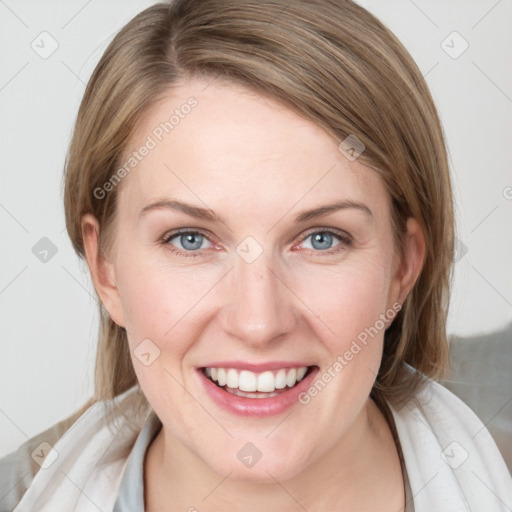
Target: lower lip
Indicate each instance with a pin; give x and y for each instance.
(257, 407)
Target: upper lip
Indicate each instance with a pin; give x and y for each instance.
(256, 367)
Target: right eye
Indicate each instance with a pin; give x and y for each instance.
(189, 242)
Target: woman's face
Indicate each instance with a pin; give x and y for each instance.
(267, 289)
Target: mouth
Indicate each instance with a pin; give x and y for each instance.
(249, 393)
(256, 385)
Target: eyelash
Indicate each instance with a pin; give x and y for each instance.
(344, 238)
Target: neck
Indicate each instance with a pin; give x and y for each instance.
(361, 472)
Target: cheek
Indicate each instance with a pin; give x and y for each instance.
(351, 303)
(163, 305)
(161, 301)
(347, 298)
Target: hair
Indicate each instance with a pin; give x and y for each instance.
(332, 62)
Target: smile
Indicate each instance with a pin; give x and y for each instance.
(246, 381)
(251, 393)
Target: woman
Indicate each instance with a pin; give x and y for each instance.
(262, 195)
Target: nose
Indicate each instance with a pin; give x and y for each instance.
(261, 306)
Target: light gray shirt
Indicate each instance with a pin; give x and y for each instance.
(18, 469)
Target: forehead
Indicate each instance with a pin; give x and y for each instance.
(223, 142)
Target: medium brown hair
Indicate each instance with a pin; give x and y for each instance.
(332, 62)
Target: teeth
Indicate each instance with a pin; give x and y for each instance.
(280, 382)
(301, 372)
(291, 377)
(232, 378)
(266, 382)
(221, 376)
(247, 381)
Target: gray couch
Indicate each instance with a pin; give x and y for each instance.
(481, 376)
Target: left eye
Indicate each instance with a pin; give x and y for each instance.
(321, 240)
(189, 240)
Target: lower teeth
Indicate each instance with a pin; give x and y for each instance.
(258, 394)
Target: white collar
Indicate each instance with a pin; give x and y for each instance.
(436, 431)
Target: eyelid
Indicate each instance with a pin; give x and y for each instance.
(184, 231)
(338, 232)
(166, 239)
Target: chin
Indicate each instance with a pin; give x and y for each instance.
(247, 462)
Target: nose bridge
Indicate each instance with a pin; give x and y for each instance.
(260, 307)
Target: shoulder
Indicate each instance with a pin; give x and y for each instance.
(18, 468)
(74, 462)
(448, 452)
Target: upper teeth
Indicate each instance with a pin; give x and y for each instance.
(267, 381)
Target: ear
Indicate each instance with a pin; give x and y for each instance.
(408, 270)
(102, 270)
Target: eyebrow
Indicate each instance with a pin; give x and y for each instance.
(321, 211)
(211, 216)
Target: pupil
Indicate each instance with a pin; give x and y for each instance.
(322, 237)
(189, 238)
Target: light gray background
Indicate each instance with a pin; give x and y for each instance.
(48, 320)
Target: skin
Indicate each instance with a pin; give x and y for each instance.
(257, 164)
